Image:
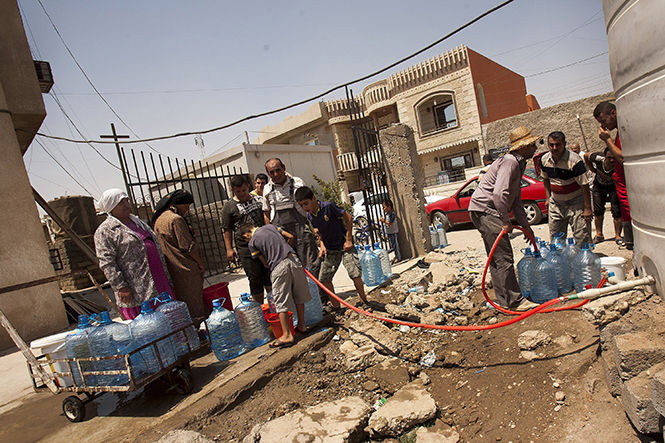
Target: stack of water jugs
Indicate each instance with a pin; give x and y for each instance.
(438, 237)
(111, 338)
(556, 269)
(375, 265)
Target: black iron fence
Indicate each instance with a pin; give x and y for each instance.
(149, 178)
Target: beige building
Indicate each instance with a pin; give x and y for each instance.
(445, 100)
(24, 257)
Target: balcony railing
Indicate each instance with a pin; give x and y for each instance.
(445, 177)
(349, 161)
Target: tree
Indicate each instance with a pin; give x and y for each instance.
(331, 191)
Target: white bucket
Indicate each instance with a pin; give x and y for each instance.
(616, 265)
(53, 347)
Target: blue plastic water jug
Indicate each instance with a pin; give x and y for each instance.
(370, 265)
(313, 308)
(443, 238)
(570, 252)
(523, 271)
(148, 327)
(434, 237)
(543, 280)
(178, 315)
(386, 268)
(76, 346)
(253, 325)
(225, 337)
(586, 269)
(561, 268)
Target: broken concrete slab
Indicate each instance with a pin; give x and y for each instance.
(636, 352)
(443, 273)
(425, 435)
(434, 257)
(184, 436)
(596, 310)
(658, 391)
(410, 406)
(402, 313)
(347, 347)
(382, 338)
(341, 420)
(532, 339)
(611, 372)
(362, 358)
(390, 374)
(612, 329)
(636, 400)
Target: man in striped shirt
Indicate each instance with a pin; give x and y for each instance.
(567, 190)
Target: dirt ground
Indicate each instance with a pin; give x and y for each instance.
(481, 385)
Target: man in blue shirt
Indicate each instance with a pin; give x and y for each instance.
(334, 226)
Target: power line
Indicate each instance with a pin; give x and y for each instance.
(293, 105)
(62, 167)
(565, 66)
(88, 78)
(187, 91)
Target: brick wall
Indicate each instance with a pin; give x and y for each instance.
(561, 117)
(74, 259)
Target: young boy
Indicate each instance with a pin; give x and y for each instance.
(390, 220)
(289, 285)
(334, 227)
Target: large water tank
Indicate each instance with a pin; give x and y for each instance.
(635, 35)
(78, 211)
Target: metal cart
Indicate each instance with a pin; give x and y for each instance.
(174, 376)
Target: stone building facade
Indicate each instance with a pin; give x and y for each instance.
(445, 100)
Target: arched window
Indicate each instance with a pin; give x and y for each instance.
(436, 113)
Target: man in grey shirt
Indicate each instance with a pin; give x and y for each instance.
(496, 196)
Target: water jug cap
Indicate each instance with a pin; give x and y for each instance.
(527, 251)
(536, 253)
(610, 274)
(438, 226)
(245, 297)
(571, 241)
(145, 307)
(585, 245)
(216, 303)
(84, 321)
(366, 247)
(552, 247)
(376, 245)
(104, 317)
(164, 297)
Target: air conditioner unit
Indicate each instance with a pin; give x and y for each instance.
(44, 75)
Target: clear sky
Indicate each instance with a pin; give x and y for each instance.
(171, 66)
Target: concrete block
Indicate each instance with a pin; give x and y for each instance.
(410, 406)
(636, 400)
(611, 373)
(612, 329)
(658, 391)
(636, 352)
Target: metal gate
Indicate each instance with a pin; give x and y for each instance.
(372, 173)
(149, 179)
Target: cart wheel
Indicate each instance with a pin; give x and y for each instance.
(184, 381)
(73, 408)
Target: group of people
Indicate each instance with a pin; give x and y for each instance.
(272, 231)
(569, 201)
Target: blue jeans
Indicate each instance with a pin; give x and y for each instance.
(394, 245)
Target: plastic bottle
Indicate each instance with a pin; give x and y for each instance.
(434, 235)
(416, 290)
(543, 280)
(543, 248)
(371, 268)
(559, 240)
(313, 308)
(561, 268)
(386, 269)
(146, 328)
(271, 303)
(570, 252)
(253, 325)
(225, 337)
(443, 238)
(179, 317)
(587, 268)
(76, 346)
(101, 344)
(523, 271)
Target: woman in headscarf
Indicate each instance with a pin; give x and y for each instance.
(183, 257)
(129, 255)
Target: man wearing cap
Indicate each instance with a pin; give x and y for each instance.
(567, 190)
(496, 196)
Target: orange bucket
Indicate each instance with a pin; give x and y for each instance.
(275, 325)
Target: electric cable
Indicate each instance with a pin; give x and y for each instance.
(62, 167)
(558, 68)
(283, 108)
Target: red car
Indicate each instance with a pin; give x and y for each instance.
(454, 210)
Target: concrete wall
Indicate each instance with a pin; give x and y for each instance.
(405, 183)
(281, 132)
(24, 257)
(561, 117)
(504, 90)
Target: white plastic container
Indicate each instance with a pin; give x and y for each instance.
(53, 347)
(616, 265)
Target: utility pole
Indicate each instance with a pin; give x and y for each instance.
(117, 137)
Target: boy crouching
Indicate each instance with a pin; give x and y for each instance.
(289, 285)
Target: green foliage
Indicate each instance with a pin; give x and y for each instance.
(331, 191)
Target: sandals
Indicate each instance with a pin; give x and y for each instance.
(620, 242)
(598, 239)
(280, 344)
